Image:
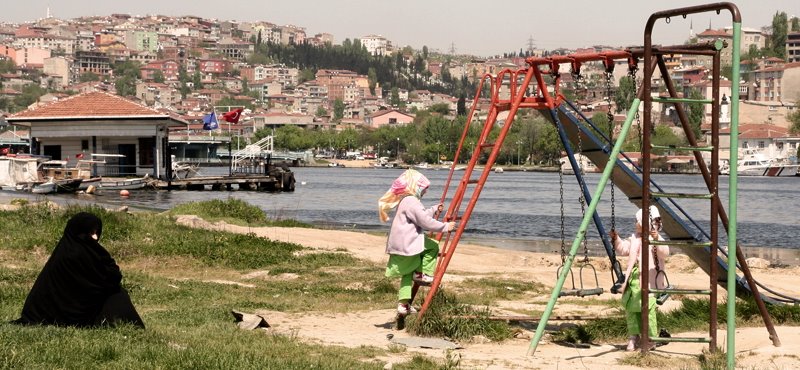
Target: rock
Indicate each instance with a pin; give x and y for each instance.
(758, 263)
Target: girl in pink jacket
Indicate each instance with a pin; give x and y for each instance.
(412, 256)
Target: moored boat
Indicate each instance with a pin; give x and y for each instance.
(754, 162)
(128, 184)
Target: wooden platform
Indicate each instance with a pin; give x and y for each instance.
(279, 182)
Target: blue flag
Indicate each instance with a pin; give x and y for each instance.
(210, 121)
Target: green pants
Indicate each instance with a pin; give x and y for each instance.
(406, 266)
(632, 303)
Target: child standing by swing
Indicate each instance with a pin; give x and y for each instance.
(632, 289)
(412, 256)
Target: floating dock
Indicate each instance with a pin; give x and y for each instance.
(281, 181)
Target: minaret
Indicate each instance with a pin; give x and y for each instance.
(691, 29)
(48, 13)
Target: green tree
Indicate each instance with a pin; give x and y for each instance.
(795, 24)
(424, 52)
(625, 93)
(7, 66)
(664, 136)
(338, 110)
(696, 112)
(779, 31)
(158, 76)
(372, 78)
(794, 119)
(306, 75)
(183, 78)
(127, 73)
(197, 80)
(321, 111)
(461, 106)
(88, 77)
(394, 98)
(441, 108)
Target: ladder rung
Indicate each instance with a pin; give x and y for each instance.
(487, 145)
(673, 243)
(682, 100)
(682, 339)
(681, 291)
(684, 148)
(681, 195)
(473, 181)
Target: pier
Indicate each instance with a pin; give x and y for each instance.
(276, 181)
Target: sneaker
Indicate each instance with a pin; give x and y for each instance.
(632, 342)
(422, 279)
(405, 309)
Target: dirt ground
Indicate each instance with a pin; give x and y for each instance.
(753, 346)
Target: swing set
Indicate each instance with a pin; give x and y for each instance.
(526, 88)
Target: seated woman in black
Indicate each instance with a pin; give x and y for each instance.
(80, 283)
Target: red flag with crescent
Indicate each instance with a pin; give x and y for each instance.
(233, 116)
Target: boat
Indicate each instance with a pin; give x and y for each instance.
(584, 163)
(128, 184)
(89, 182)
(68, 185)
(422, 166)
(755, 162)
(336, 164)
(47, 187)
(498, 170)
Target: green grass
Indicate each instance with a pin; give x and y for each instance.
(188, 320)
(485, 291)
(447, 317)
(691, 316)
(233, 211)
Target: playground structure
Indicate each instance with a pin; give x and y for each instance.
(526, 88)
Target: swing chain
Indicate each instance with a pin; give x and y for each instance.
(581, 198)
(610, 116)
(561, 197)
(632, 75)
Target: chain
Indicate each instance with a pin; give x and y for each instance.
(613, 161)
(638, 117)
(561, 198)
(581, 184)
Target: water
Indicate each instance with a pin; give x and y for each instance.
(519, 210)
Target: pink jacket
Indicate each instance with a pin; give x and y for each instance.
(407, 235)
(631, 247)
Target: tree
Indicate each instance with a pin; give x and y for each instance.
(306, 75)
(258, 38)
(625, 93)
(794, 119)
(372, 78)
(127, 73)
(441, 108)
(338, 110)
(779, 31)
(183, 78)
(197, 80)
(425, 52)
(394, 98)
(158, 76)
(696, 112)
(461, 106)
(321, 111)
(664, 136)
(795, 24)
(7, 66)
(88, 77)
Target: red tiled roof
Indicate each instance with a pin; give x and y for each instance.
(95, 104)
(779, 67)
(711, 33)
(759, 131)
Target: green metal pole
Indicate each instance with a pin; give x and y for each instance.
(732, 196)
(584, 225)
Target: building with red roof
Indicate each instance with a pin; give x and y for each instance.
(98, 122)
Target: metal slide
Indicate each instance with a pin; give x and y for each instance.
(678, 224)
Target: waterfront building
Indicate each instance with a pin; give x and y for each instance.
(97, 122)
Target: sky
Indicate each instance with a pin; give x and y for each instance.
(482, 28)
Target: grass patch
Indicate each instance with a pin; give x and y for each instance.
(446, 317)
(485, 291)
(691, 316)
(233, 211)
(169, 272)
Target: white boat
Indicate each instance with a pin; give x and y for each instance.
(754, 162)
(585, 164)
(422, 166)
(48, 187)
(129, 184)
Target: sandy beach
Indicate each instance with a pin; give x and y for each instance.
(754, 348)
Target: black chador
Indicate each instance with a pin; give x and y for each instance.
(80, 283)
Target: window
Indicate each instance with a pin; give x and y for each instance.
(744, 144)
(761, 144)
(780, 146)
(392, 120)
(84, 144)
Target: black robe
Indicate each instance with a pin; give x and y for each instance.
(80, 283)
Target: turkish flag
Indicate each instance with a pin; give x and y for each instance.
(79, 155)
(233, 116)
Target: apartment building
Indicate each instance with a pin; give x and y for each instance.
(776, 83)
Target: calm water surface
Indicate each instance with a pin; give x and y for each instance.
(519, 210)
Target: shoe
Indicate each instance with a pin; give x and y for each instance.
(405, 309)
(632, 342)
(422, 279)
